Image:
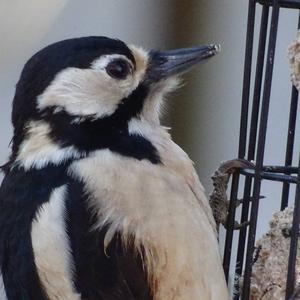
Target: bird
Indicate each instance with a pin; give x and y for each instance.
(97, 201)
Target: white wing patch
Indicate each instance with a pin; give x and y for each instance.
(51, 248)
(2, 289)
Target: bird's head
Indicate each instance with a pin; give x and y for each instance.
(85, 91)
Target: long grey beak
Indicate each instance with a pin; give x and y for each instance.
(164, 64)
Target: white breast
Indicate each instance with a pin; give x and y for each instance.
(52, 254)
(156, 205)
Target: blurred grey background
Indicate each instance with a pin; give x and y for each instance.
(204, 114)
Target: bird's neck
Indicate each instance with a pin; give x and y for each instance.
(57, 142)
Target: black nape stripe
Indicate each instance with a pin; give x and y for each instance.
(110, 132)
(21, 195)
(116, 274)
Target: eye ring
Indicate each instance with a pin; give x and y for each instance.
(118, 69)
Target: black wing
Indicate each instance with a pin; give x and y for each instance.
(112, 275)
(21, 194)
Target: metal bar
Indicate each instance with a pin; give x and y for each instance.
(281, 169)
(290, 145)
(282, 3)
(243, 232)
(290, 140)
(271, 176)
(252, 139)
(243, 135)
(258, 81)
(261, 149)
(290, 282)
(247, 79)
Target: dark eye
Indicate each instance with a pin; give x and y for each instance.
(118, 69)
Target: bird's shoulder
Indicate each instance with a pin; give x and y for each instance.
(19, 183)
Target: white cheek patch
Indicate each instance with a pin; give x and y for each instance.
(91, 92)
(51, 249)
(82, 93)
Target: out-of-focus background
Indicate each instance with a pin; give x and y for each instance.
(204, 114)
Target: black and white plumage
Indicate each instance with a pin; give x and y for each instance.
(97, 201)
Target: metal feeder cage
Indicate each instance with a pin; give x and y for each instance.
(252, 141)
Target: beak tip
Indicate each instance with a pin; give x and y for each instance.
(216, 48)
